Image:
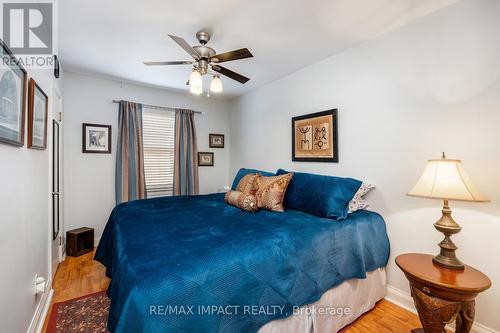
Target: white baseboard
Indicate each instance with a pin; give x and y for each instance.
(41, 311)
(400, 298)
(404, 300)
(96, 241)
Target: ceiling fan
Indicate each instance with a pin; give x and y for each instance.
(205, 57)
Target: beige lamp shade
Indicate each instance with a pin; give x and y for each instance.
(446, 179)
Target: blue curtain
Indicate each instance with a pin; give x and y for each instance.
(186, 154)
(129, 177)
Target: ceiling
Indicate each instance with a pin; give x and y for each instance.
(112, 38)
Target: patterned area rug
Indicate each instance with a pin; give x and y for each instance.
(86, 314)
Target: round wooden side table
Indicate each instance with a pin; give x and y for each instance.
(442, 295)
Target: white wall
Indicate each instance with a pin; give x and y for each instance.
(403, 98)
(25, 224)
(89, 179)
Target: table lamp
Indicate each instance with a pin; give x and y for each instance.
(445, 179)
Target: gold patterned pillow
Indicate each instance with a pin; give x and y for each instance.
(248, 184)
(241, 200)
(271, 191)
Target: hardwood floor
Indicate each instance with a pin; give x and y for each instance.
(81, 276)
(78, 277)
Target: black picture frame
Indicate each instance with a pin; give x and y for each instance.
(335, 141)
(85, 149)
(206, 153)
(212, 140)
(34, 90)
(6, 132)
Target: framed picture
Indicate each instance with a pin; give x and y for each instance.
(205, 159)
(38, 107)
(314, 137)
(216, 140)
(96, 139)
(13, 83)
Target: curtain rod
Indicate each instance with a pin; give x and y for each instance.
(159, 107)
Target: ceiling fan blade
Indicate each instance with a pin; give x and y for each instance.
(164, 63)
(230, 74)
(182, 43)
(231, 55)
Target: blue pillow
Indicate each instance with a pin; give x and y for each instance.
(324, 196)
(243, 172)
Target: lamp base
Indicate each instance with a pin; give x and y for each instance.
(450, 263)
(447, 258)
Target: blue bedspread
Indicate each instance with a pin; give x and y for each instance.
(195, 264)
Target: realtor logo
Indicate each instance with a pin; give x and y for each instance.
(27, 27)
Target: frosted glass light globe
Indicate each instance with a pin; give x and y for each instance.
(195, 79)
(216, 84)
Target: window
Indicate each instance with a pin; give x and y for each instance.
(158, 137)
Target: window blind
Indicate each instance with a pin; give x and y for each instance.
(158, 140)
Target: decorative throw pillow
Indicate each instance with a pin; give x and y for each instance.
(248, 184)
(325, 196)
(271, 191)
(358, 202)
(242, 172)
(241, 200)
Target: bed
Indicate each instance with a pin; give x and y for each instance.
(196, 264)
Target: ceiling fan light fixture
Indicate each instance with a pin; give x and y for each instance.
(197, 90)
(216, 84)
(195, 79)
(203, 58)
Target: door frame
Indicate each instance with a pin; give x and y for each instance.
(57, 244)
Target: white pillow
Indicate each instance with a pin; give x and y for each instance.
(357, 202)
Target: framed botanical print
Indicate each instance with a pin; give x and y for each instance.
(96, 138)
(314, 137)
(13, 83)
(205, 159)
(38, 109)
(216, 140)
